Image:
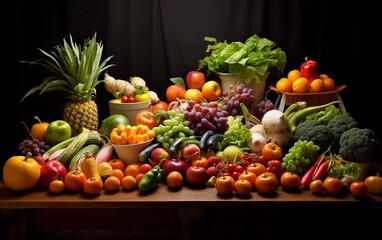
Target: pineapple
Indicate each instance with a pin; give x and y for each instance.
(76, 72)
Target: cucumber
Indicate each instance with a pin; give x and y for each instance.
(144, 155)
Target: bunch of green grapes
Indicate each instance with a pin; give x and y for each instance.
(300, 157)
(172, 128)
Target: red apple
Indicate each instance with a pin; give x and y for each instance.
(174, 164)
(213, 160)
(195, 79)
(159, 154)
(40, 160)
(196, 176)
(52, 169)
(191, 152)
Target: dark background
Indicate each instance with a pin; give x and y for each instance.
(160, 39)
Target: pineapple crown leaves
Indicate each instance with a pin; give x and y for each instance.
(75, 69)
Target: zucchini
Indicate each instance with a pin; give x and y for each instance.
(90, 148)
(79, 141)
(143, 156)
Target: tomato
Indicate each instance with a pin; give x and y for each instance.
(358, 189)
(374, 184)
(250, 176)
(56, 186)
(147, 118)
(93, 186)
(332, 185)
(126, 99)
(144, 168)
(290, 180)
(161, 105)
(256, 168)
(242, 187)
(225, 185)
(316, 186)
(117, 163)
(143, 97)
(266, 183)
(74, 180)
(271, 151)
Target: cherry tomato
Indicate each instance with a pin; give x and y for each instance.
(225, 185)
(266, 183)
(126, 99)
(333, 185)
(316, 186)
(242, 187)
(144, 168)
(146, 118)
(358, 189)
(271, 151)
(290, 180)
(374, 184)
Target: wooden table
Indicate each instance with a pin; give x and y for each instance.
(183, 214)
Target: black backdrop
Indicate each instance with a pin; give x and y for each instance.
(160, 39)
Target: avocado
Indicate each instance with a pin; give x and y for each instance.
(109, 123)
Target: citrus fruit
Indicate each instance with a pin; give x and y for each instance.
(174, 179)
(317, 85)
(284, 85)
(301, 85)
(129, 183)
(117, 173)
(112, 184)
(329, 84)
(294, 75)
(131, 170)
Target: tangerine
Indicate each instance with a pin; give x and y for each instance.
(129, 183)
(294, 75)
(329, 84)
(112, 184)
(132, 169)
(174, 179)
(317, 85)
(284, 85)
(301, 85)
(117, 173)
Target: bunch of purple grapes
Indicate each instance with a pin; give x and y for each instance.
(206, 116)
(262, 107)
(239, 94)
(35, 146)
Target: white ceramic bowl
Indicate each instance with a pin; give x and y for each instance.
(129, 153)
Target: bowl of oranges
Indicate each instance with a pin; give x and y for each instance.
(296, 88)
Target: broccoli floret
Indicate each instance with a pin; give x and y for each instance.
(359, 145)
(312, 130)
(338, 125)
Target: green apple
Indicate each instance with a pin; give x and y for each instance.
(58, 131)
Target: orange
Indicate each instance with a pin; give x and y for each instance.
(117, 173)
(161, 105)
(301, 85)
(317, 85)
(93, 186)
(284, 85)
(194, 94)
(129, 183)
(56, 186)
(174, 179)
(112, 184)
(132, 169)
(329, 84)
(294, 75)
(139, 177)
(323, 76)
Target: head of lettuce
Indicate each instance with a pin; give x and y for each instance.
(250, 60)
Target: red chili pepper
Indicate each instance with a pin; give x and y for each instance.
(308, 176)
(321, 171)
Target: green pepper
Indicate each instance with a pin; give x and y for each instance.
(150, 179)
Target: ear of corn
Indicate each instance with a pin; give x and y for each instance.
(79, 141)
